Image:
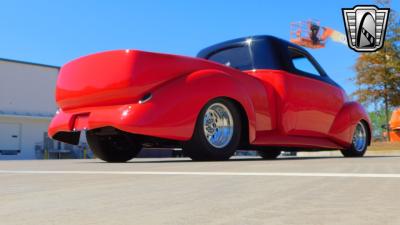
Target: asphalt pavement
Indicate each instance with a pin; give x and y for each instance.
(298, 190)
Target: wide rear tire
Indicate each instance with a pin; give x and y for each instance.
(118, 147)
(359, 143)
(217, 132)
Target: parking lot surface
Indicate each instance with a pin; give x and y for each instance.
(297, 190)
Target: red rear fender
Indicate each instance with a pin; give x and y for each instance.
(345, 122)
(179, 102)
(119, 77)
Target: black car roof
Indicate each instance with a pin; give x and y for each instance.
(266, 47)
(277, 52)
(272, 40)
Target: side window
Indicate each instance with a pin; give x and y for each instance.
(237, 57)
(302, 63)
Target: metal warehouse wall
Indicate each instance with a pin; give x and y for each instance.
(31, 132)
(26, 88)
(26, 106)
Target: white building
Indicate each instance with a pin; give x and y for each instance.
(27, 105)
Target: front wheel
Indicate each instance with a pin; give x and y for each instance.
(217, 132)
(116, 147)
(359, 143)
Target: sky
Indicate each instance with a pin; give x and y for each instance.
(55, 32)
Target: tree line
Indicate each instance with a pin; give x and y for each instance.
(378, 75)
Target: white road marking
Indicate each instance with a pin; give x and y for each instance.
(273, 174)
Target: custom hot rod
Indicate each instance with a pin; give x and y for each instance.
(257, 93)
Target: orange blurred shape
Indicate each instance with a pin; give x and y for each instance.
(394, 124)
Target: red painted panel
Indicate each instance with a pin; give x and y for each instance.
(282, 108)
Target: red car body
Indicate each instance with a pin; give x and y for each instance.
(161, 95)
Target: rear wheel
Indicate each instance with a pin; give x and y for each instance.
(217, 132)
(359, 143)
(116, 147)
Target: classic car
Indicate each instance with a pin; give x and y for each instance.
(255, 93)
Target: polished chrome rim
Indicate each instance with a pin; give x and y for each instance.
(218, 125)
(360, 137)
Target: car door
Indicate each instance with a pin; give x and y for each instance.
(312, 99)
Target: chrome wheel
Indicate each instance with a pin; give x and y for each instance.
(360, 137)
(218, 125)
(217, 132)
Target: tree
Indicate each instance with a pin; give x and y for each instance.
(378, 118)
(378, 73)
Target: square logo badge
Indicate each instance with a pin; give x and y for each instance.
(365, 27)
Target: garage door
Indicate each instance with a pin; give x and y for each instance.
(9, 138)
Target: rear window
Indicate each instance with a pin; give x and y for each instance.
(236, 57)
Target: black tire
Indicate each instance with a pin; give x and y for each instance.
(355, 151)
(269, 153)
(118, 147)
(200, 149)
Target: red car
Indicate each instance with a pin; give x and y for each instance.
(258, 93)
